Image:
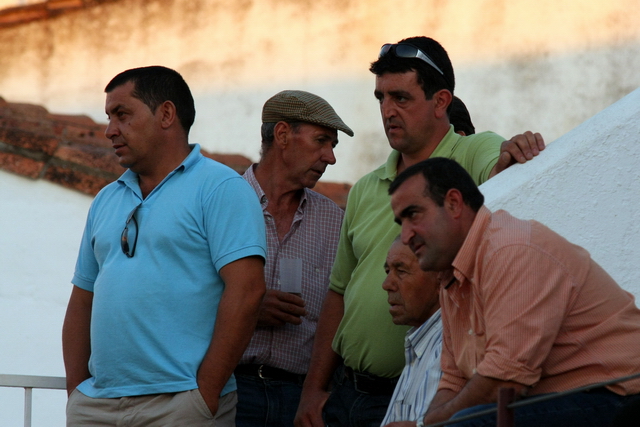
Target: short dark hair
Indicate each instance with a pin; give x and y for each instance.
(460, 118)
(441, 175)
(429, 79)
(155, 85)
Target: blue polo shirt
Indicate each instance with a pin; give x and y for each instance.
(153, 314)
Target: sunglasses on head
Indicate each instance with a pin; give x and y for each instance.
(403, 50)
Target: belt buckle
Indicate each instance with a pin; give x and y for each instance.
(260, 372)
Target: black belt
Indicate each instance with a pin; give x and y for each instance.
(369, 383)
(268, 373)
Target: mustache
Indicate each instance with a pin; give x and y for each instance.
(390, 122)
(415, 242)
(393, 301)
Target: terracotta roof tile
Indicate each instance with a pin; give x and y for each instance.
(72, 151)
(70, 177)
(29, 141)
(20, 165)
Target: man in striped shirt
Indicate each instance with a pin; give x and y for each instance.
(299, 132)
(413, 299)
(521, 307)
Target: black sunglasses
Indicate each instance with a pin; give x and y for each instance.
(402, 50)
(124, 238)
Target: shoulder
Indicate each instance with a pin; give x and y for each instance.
(374, 180)
(213, 175)
(212, 167)
(503, 229)
(109, 189)
(322, 206)
(107, 193)
(508, 238)
(320, 200)
(484, 136)
(479, 141)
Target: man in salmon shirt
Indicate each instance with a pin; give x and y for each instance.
(521, 307)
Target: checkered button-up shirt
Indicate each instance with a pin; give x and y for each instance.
(313, 237)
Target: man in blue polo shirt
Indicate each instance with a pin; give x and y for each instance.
(169, 276)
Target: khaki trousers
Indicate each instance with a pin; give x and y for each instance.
(186, 408)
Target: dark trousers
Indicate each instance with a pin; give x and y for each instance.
(266, 402)
(348, 407)
(587, 409)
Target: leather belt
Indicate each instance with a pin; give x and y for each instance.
(369, 383)
(265, 372)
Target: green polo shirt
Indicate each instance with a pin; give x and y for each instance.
(367, 339)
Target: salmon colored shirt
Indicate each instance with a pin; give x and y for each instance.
(528, 306)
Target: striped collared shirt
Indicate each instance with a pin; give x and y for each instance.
(313, 238)
(419, 380)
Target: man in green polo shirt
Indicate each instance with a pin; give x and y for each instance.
(355, 336)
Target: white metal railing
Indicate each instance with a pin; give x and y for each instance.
(29, 382)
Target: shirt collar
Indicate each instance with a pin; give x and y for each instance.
(415, 335)
(390, 169)
(130, 178)
(250, 176)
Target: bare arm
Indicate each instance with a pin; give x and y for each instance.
(235, 322)
(76, 341)
(478, 391)
(521, 148)
(324, 362)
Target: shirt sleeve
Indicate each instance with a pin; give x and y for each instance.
(480, 154)
(87, 267)
(345, 261)
(234, 223)
(525, 294)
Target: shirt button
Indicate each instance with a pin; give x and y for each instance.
(470, 331)
(474, 371)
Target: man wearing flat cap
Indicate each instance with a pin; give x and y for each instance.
(299, 133)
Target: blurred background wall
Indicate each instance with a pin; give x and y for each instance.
(520, 64)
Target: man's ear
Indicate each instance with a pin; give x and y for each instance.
(454, 202)
(442, 99)
(167, 113)
(280, 133)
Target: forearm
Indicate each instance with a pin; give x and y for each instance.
(76, 341)
(235, 323)
(324, 360)
(478, 391)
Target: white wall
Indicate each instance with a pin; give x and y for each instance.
(585, 186)
(40, 229)
(520, 64)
